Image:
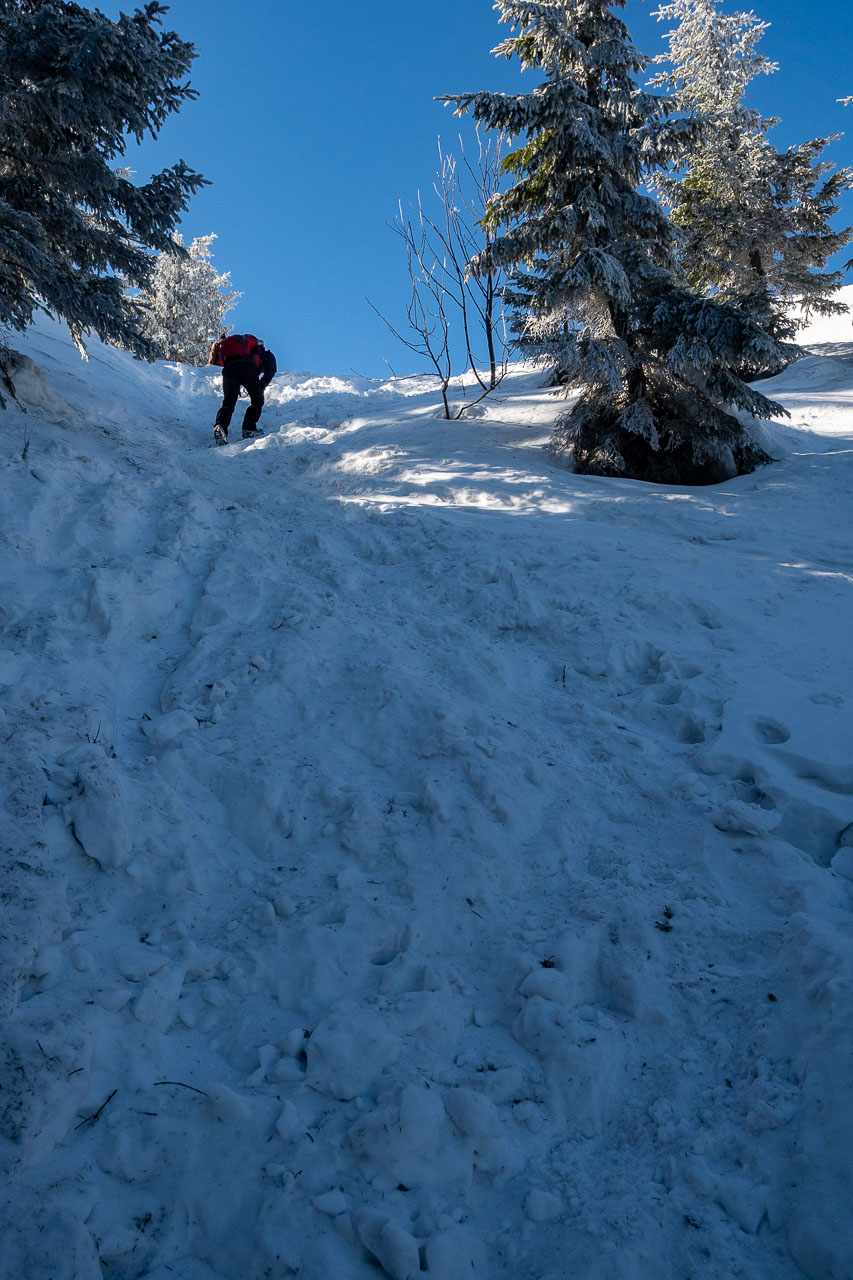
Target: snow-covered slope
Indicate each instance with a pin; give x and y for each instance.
(417, 858)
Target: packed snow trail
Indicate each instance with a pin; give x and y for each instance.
(420, 859)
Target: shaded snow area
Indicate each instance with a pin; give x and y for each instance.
(419, 859)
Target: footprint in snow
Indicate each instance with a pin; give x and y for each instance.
(769, 731)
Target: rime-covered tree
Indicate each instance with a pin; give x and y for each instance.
(75, 229)
(597, 289)
(186, 304)
(756, 221)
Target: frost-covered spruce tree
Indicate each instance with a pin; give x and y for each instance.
(74, 229)
(756, 221)
(186, 305)
(597, 289)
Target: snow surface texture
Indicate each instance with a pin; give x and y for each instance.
(418, 858)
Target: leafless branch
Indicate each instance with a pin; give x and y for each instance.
(426, 311)
(158, 1084)
(96, 1114)
(438, 251)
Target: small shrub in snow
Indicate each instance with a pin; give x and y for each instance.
(445, 298)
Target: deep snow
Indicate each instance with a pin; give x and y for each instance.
(419, 858)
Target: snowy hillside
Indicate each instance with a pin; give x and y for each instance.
(417, 858)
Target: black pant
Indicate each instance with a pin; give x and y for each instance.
(237, 374)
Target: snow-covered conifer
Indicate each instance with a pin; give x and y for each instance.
(186, 305)
(597, 288)
(756, 221)
(74, 229)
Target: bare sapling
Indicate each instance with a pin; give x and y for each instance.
(447, 302)
(426, 312)
(466, 232)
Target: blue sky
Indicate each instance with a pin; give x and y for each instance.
(315, 118)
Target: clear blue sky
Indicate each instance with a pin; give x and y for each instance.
(315, 118)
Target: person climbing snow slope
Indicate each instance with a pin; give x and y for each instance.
(245, 363)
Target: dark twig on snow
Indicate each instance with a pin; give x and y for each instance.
(96, 1114)
(179, 1084)
(51, 1057)
(664, 925)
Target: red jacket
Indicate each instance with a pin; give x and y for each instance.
(238, 346)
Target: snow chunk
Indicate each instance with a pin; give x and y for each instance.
(744, 1202)
(97, 814)
(332, 1203)
(138, 962)
(289, 1124)
(738, 818)
(34, 391)
(347, 1052)
(843, 863)
(392, 1247)
(550, 984)
(227, 1106)
(168, 729)
(414, 1142)
(473, 1113)
(454, 1253)
(479, 1119)
(542, 1206)
(46, 962)
(82, 959)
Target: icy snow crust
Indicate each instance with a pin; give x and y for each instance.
(417, 858)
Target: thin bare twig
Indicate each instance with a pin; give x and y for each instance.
(440, 251)
(96, 1114)
(463, 409)
(158, 1084)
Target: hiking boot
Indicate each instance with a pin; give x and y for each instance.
(220, 436)
(252, 432)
